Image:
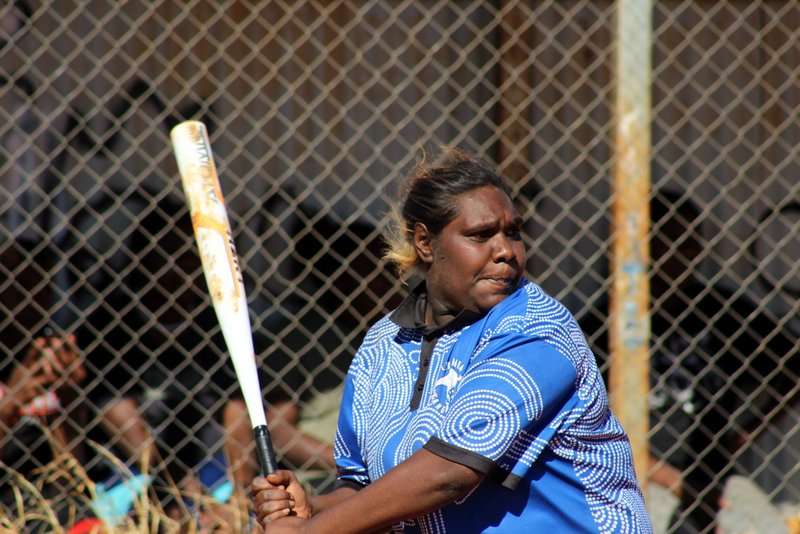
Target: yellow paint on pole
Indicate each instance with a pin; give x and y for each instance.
(629, 332)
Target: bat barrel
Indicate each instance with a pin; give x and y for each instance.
(221, 267)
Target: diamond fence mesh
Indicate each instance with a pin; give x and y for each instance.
(315, 109)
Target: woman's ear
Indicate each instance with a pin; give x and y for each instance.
(423, 243)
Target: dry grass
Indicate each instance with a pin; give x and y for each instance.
(60, 494)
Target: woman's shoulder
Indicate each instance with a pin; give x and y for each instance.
(530, 307)
(533, 314)
(381, 329)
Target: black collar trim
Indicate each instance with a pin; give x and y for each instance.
(411, 314)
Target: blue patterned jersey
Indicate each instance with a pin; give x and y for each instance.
(515, 394)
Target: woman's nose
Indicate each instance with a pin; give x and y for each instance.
(503, 249)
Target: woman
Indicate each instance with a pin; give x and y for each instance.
(476, 406)
(41, 372)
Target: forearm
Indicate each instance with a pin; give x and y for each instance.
(666, 475)
(9, 406)
(6, 416)
(299, 449)
(8, 410)
(422, 484)
(322, 502)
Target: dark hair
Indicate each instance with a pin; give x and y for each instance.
(428, 197)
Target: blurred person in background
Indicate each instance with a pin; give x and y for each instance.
(713, 352)
(159, 374)
(41, 370)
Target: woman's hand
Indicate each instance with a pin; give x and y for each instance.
(67, 359)
(278, 495)
(32, 376)
(50, 359)
(50, 363)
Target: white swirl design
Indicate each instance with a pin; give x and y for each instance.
(494, 407)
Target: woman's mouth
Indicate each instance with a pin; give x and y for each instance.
(503, 282)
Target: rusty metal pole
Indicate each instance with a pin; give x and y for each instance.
(629, 316)
(516, 86)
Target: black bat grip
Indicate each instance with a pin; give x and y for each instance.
(266, 456)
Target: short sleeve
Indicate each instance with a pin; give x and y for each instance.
(350, 464)
(508, 406)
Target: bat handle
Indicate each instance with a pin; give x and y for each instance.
(266, 455)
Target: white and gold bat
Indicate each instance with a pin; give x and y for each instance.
(223, 274)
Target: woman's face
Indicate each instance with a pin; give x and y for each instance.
(478, 258)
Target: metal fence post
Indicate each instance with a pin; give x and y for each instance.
(630, 325)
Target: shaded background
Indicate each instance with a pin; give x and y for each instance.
(316, 109)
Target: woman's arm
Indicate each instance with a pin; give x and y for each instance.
(72, 373)
(421, 484)
(298, 448)
(665, 475)
(288, 440)
(28, 379)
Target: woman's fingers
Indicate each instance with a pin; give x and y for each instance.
(273, 517)
(271, 501)
(38, 362)
(70, 360)
(61, 351)
(272, 504)
(54, 356)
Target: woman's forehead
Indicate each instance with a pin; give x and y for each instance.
(486, 201)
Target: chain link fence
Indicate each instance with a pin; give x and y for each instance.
(315, 109)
